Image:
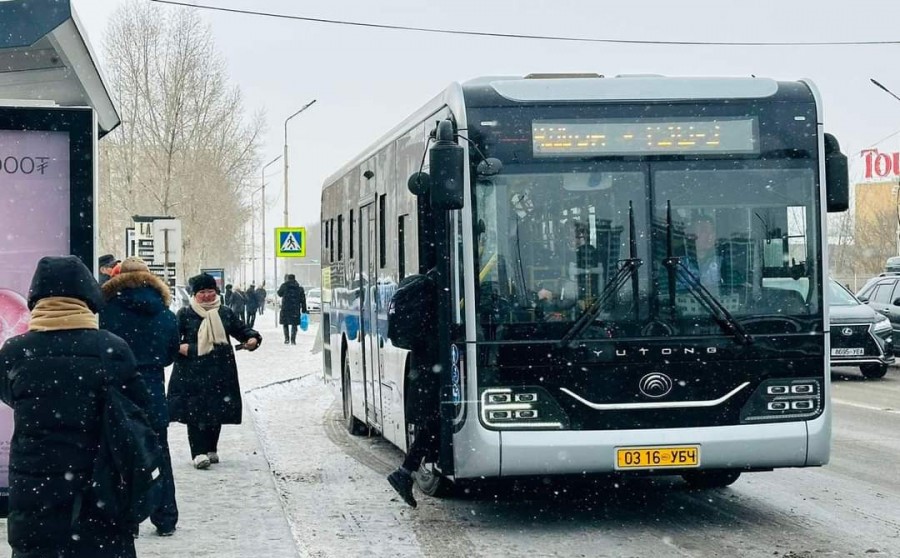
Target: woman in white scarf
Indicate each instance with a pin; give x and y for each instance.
(204, 391)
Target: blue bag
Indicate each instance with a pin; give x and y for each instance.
(304, 321)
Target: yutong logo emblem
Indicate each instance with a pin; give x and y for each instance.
(655, 385)
(847, 332)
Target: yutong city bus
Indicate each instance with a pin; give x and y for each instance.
(631, 271)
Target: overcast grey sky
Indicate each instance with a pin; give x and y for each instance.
(367, 80)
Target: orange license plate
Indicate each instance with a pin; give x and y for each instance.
(657, 457)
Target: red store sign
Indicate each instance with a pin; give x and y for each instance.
(881, 165)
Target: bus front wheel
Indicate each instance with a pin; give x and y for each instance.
(432, 482)
(354, 425)
(710, 479)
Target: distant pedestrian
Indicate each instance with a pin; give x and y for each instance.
(293, 303)
(137, 310)
(105, 264)
(252, 304)
(204, 391)
(229, 295)
(50, 377)
(261, 296)
(239, 304)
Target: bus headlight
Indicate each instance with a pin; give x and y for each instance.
(521, 408)
(783, 400)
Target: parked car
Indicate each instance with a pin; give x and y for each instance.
(314, 300)
(860, 336)
(882, 294)
(892, 264)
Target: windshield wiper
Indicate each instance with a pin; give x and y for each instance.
(628, 270)
(678, 270)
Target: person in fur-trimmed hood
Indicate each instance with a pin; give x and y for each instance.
(137, 310)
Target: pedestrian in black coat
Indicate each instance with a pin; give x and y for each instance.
(51, 377)
(252, 305)
(137, 310)
(204, 391)
(239, 304)
(293, 302)
(229, 295)
(261, 296)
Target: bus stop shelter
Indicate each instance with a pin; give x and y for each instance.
(46, 59)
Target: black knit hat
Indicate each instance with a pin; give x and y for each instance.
(202, 281)
(64, 276)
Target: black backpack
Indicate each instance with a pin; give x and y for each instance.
(126, 481)
(412, 313)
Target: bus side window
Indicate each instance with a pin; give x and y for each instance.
(340, 240)
(401, 246)
(382, 231)
(351, 234)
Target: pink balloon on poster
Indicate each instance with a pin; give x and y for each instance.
(14, 315)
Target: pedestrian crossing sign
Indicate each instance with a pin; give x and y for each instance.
(290, 242)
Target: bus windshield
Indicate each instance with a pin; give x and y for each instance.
(550, 238)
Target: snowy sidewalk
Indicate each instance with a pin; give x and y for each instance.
(231, 510)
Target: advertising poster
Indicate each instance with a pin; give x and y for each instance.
(34, 222)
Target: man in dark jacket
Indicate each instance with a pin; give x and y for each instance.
(293, 302)
(105, 265)
(239, 304)
(229, 295)
(252, 305)
(261, 295)
(137, 310)
(50, 377)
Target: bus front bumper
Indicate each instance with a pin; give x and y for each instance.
(757, 446)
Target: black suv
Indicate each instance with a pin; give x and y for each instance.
(860, 336)
(882, 294)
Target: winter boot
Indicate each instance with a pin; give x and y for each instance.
(402, 482)
(213, 457)
(201, 462)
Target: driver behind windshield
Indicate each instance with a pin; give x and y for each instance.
(581, 286)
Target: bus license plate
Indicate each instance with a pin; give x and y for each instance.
(657, 457)
(846, 352)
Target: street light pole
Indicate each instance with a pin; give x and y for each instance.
(263, 188)
(306, 106)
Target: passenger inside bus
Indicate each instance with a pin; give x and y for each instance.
(704, 261)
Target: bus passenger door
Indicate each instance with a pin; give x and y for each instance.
(369, 313)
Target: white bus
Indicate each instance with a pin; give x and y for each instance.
(632, 273)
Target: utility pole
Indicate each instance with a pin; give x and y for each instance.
(286, 167)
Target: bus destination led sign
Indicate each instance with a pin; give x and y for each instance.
(586, 138)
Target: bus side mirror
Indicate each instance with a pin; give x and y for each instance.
(447, 162)
(837, 179)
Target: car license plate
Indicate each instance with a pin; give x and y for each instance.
(657, 457)
(847, 352)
